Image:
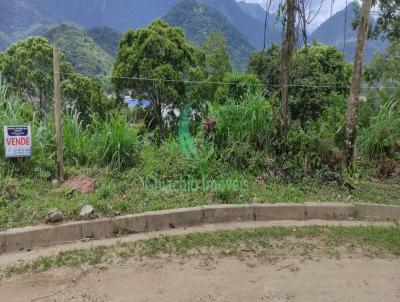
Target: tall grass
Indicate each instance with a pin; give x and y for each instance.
(102, 142)
(379, 139)
(244, 128)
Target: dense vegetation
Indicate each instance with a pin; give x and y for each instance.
(81, 50)
(198, 21)
(106, 37)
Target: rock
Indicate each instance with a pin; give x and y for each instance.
(86, 211)
(54, 216)
(398, 145)
(54, 183)
(82, 184)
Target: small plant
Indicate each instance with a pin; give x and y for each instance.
(378, 141)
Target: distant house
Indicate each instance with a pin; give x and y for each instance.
(133, 103)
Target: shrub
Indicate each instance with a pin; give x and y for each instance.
(236, 86)
(244, 128)
(379, 139)
(114, 142)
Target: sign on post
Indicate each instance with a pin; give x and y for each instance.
(17, 141)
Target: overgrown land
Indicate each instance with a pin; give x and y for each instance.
(229, 149)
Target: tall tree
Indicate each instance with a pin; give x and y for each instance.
(28, 67)
(217, 58)
(266, 65)
(152, 63)
(388, 21)
(354, 98)
(287, 52)
(217, 62)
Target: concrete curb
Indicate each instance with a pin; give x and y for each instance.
(44, 235)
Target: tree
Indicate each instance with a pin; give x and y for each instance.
(28, 67)
(266, 65)
(385, 67)
(388, 21)
(287, 51)
(86, 96)
(152, 64)
(216, 63)
(217, 58)
(315, 74)
(317, 71)
(354, 98)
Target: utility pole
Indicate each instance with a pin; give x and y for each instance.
(354, 98)
(287, 51)
(57, 110)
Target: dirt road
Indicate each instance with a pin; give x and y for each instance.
(225, 279)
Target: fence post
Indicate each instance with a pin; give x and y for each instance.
(57, 110)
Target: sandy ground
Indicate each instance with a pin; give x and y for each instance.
(227, 279)
(293, 277)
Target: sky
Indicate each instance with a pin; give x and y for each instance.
(324, 13)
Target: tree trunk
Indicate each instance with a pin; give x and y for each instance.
(287, 51)
(354, 97)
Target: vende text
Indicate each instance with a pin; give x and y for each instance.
(18, 141)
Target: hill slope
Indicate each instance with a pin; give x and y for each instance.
(252, 28)
(106, 37)
(22, 18)
(81, 50)
(197, 21)
(253, 9)
(332, 31)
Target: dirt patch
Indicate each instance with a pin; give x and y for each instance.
(221, 279)
(82, 184)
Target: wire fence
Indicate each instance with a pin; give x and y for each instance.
(225, 83)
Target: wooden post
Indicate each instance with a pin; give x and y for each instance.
(287, 51)
(354, 98)
(57, 110)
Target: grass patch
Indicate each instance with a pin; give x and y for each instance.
(26, 201)
(266, 244)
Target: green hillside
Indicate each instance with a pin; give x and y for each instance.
(81, 50)
(106, 37)
(198, 21)
(20, 19)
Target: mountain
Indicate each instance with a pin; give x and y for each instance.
(253, 9)
(106, 37)
(251, 27)
(20, 19)
(332, 32)
(198, 20)
(81, 50)
(23, 18)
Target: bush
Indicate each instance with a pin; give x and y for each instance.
(245, 128)
(107, 141)
(236, 86)
(114, 142)
(379, 139)
(318, 145)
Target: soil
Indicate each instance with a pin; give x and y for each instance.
(226, 279)
(82, 184)
(291, 276)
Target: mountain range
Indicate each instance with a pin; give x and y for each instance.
(98, 25)
(335, 31)
(199, 20)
